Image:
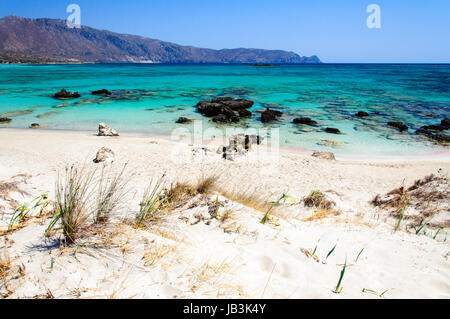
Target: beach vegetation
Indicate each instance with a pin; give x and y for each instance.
(152, 205)
(110, 194)
(338, 288)
(72, 200)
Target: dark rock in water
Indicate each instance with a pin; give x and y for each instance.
(223, 118)
(304, 120)
(445, 122)
(238, 104)
(423, 131)
(362, 114)
(101, 92)
(221, 99)
(5, 120)
(332, 130)
(223, 109)
(435, 127)
(184, 120)
(398, 125)
(270, 115)
(441, 138)
(63, 94)
(35, 125)
(245, 113)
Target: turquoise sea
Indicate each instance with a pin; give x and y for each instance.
(154, 96)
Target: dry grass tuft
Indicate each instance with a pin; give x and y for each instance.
(5, 263)
(73, 191)
(111, 192)
(321, 214)
(154, 254)
(248, 197)
(424, 199)
(209, 273)
(205, 184)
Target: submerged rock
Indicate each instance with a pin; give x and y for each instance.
(304, 120)
(445, 122)
(270, 115)
(184, 120)
(105, 130)
(398, 125)
(362, 114)
(435, 127)
(5, 120)
(63, 94)
(101, 92)
(35, 125)
(324, 155)
(332, 130)
(105, 154)
(331, 143)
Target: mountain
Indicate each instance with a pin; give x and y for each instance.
(50, 40)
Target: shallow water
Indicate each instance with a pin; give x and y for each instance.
(155, 96)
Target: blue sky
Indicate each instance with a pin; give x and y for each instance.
(334, 30)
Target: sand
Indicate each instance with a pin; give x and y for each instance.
(192, 254)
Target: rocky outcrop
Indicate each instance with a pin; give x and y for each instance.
(103, 92)
(63, 94)
(398, 125)
(35, 125)
(105, 154)
(5, 120)
(305, 120)
(225, 109)
(105, 130)
(270, 115)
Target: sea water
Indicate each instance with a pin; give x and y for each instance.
(152, 97)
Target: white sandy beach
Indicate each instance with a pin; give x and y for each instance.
(193, 254)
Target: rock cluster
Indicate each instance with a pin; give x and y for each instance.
(63, 94)
(5, 120)
(239, 145)
(225, 109)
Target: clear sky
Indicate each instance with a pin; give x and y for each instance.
(334, 30)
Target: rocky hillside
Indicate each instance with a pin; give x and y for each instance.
(51, 40)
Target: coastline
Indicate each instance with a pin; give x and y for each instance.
(437, 156)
